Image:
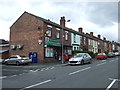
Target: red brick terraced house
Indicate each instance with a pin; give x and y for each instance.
(87, 42)
(31, 33)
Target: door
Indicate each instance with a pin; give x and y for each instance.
(86, 58)
(12, 60)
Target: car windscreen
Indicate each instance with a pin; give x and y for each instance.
(78, 55)
(22, 56)
(100, 54)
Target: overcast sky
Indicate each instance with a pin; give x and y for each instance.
(98, 17)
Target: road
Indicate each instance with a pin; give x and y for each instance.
(101, 74)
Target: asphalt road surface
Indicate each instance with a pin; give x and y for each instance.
(100, 74)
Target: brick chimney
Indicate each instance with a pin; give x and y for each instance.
(62, 21)
(104, 38)
(80, 30)
(99, 36)
(91, 33)
(87, 34)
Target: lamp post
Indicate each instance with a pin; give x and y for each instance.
(63, 44)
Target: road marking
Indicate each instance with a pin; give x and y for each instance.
(111, 84)
(100, 64)
(3, 77)
(103, 60)
(9, 70)
(111, 60)
(36, 84)
(79, 70)
(52, 67)
(46, 68)
(43, 69)
(21, 74)
(13, 75)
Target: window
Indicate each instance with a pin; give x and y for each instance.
(49, 30)
(66, 35)
(80, 39)
(13, 57)
(57, 32)
(98, 43)
(74, 38)
(49, 52)
(84, 40)
(89, 41)
(74, 48)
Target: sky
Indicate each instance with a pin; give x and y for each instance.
(97, 16)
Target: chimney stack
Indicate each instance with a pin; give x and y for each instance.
(91, 33)
(62, 21)
(87, 34)
(99, 36)
(80, 30)
(104, 38)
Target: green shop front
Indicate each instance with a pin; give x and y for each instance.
(52, 49)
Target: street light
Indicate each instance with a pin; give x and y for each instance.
(63, 43)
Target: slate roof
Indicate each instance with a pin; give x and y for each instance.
(59, 26)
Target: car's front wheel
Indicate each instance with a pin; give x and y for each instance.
(17, 63)
(82, 62)
(6, 63)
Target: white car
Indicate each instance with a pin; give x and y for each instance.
(80, 58)
(17, 59)
(117, 53)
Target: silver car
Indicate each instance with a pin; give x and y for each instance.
(111, 54)
(17, 59)
(80, 58)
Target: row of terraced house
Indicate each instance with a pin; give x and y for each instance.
(31, 33)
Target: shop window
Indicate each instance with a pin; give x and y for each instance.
(57, 32)
(66, 35)
(49, 30)
(49, 52)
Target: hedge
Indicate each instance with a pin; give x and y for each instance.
(89, 52)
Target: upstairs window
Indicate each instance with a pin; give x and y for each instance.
(98, 43)
(66, 35)
(84, 40)
(57, 33)
(74, 38)
(89, 41)
(49, 30)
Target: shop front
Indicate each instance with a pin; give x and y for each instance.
(52, 49)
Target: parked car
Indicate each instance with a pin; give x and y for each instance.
(101, 56)
(117, 53)
(17, 59)
(111, 54)
(80, 58)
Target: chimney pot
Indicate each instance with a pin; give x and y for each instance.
(91, 33)
(99, 36)
(80, 30)
(62, 21)
(104, 39)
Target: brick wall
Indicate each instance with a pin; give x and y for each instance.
(24, 32)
